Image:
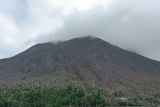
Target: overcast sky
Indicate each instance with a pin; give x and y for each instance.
(130, 24)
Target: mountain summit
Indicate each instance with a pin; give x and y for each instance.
(83, 59)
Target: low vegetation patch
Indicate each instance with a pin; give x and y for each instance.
(71, 95)
(68, 95)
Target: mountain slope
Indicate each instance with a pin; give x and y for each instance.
(84, 59)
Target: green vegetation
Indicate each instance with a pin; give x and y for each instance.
(71, 95)
(68, 95)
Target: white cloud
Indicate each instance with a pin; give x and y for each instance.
(7, 26)
(22, 21)
(17, 27)
(131, 24)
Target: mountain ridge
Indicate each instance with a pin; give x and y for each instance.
(84, 59)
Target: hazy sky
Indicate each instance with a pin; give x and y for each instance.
(130, 24)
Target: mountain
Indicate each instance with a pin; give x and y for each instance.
(84, 59)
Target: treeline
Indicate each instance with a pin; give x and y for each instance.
(68, 95)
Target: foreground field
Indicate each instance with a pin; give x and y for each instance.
(71, 94)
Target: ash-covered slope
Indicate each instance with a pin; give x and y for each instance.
(87, 59)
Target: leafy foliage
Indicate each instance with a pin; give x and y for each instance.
(54, 96)
(68, 95)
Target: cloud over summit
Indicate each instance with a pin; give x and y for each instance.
(130, 24)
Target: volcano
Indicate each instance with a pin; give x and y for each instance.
(84, 59)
